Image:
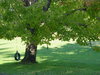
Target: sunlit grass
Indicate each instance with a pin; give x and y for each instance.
(8, 49)
(62, 58)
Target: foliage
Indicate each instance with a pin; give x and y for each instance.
(81, 26)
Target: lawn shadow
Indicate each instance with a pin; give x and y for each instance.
(3, 43)
(69, 52)
(70, 59)
(4, 48)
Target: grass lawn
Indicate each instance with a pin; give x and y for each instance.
(62, 58)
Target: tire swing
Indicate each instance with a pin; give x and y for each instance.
(17, 56)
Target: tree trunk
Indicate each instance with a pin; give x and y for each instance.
(30, 54)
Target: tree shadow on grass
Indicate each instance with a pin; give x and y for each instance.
(3, 43)
(4, 48)
(70, 59)
(69, 52)
(48, 68)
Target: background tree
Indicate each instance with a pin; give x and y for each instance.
(40, 21)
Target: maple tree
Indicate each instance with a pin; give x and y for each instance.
(40, 21)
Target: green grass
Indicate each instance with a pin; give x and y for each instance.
(96, 48)
(62, 58)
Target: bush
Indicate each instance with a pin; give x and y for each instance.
(96, 48)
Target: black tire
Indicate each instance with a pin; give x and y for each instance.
(17, 56)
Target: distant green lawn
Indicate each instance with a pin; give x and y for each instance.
(62, 58)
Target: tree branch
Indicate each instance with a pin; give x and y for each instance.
(29, 2)
(45, 8)
(98, 18)
(30, 29)
(80, 9)
(84, 25)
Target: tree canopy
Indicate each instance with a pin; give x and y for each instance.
(64, 19)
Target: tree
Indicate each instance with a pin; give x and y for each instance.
(40, 21)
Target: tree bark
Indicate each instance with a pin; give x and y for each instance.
(30, 54)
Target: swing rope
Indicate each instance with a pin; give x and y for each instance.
(17, 54)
